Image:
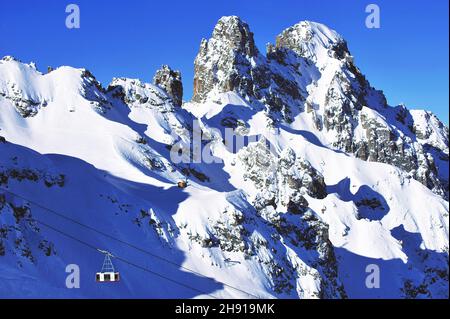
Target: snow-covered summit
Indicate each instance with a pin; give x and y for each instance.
(310, 40)
(31, 90)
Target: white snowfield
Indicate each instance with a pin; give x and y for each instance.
(127, 188)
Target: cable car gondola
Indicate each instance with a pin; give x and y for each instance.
(108, 273)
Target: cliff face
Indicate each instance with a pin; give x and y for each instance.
(170, 81)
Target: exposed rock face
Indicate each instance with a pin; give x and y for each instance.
(136, 93)
(311, 69)
(26, 106)
(230, 61)
(224, 62)
(236, 35)
(170, 81)
(283, 182)
(312, 41)
(16, 218)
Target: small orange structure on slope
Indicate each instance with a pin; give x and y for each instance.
(182, 184)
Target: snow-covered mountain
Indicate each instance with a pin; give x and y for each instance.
(329, 178)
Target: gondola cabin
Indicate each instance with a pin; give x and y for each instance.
(108, 273)
(107, 277)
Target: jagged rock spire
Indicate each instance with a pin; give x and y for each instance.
(170, 81)
(230, 61)
(224, 61)
(236, 34)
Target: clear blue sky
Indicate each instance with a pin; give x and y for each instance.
(407, 57)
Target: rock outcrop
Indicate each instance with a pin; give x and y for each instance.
(170, 81)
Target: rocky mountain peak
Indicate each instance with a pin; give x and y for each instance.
(225, 61)
(10, 58)
(312, 40)
(170, 81)
(310, 72)
(230, 61)
(236, 34)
